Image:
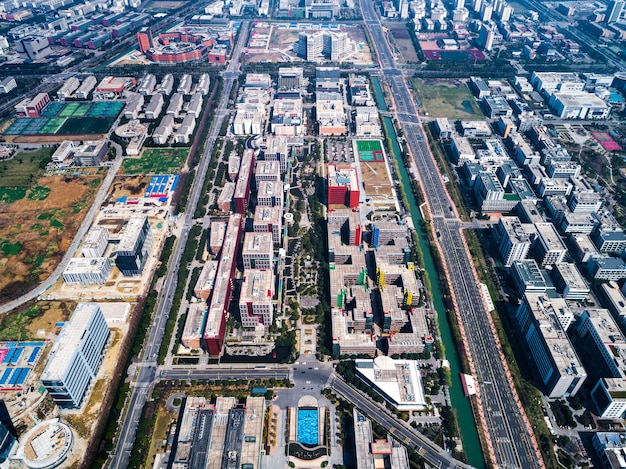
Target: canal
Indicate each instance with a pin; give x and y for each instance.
(467, 425)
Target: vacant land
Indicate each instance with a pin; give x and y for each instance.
(37, 224)
(35, 321)
(156, 161)
(446, 98)
(404, 44)
(128, 186)
(24, 168)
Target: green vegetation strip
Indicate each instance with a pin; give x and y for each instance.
(183, 272)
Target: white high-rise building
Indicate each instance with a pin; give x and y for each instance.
(486, 10)
(76, 355)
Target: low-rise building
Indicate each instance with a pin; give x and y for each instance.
(569, 281)
(256, 300)
(258, 251)
(154, 107)
(607, 268)
(399, 382)
(527, 277)
(194, 326)
(91, 153)
(87, 271)
(95, 242)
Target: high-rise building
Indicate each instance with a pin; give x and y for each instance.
(543, 322)
(76, 356)
(486, 11)
(514, 239)
(134, 247)
(486, 37)
(614, 11)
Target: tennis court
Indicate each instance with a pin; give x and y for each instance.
(75, 110)
(607, 142)
(52, 109)
(105, 109)
(53, 124)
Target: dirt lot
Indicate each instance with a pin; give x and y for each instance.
(129, 186)
(403, 44)
(376, 179)
(283, 42)
(35, 320)
(35, 233)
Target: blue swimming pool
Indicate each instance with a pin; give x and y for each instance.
(308, 426)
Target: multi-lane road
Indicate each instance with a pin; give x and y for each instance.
(432, 453)
(510, 440)
(146, 373)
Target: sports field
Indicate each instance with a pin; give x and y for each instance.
(156, 161)
(370, 150)
(69, 118)
(607, 142)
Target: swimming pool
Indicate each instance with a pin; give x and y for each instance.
(308, 426)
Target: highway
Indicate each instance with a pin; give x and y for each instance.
(398, 428)
(510, 440)
(147, 369)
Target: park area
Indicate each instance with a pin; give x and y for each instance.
(446, 98)
(156, 161)
(39, 216)
(72, 118)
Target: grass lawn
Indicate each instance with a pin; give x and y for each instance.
(447, 99)
(22, 171)
(156, 161)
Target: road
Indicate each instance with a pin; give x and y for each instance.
(510, 440)
(224, 372)
(398, 428)
(147, 369)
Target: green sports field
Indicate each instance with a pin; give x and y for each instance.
(368, 145)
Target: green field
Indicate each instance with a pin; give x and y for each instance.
(450, 99)
(368, 145)
(86, 125)
(39, 193)
(21, 171)
(75, 110)
(156, 161)
(52, 125)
